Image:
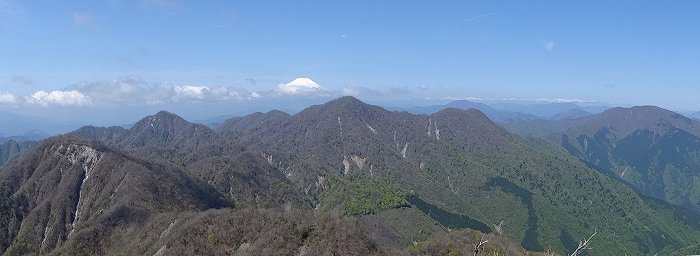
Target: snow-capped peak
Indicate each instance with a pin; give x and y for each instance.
(303, 82)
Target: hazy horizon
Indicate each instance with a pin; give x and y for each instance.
(111, 62)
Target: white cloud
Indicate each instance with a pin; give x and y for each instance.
(189, 92)
(135, 91)
(549, 45)
(7, 98)
(61, 98)
(130, 89)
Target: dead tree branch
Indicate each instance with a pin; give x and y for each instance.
(480, 245)
(583, 245)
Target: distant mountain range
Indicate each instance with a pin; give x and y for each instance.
(513, 112)
(34, 135)
(11, 150)
(695, 115)
(403, 181)
(22, 127)
(546, 110)
(492, 113)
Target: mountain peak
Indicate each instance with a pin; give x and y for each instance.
(166, 114)
(644, 114)
(625, 121)
(276, 112)
(303, 82)
(639, 109)
(471, 113)
(161, 119)
(345, 100)
(347, 104)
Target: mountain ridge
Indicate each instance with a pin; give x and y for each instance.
(429, 154)
(651, 149)
(459, 163)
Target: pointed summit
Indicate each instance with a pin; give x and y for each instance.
(162, 119)
(167, 129)
(348, 105)
(346, 100)
(301, 86)
(303, 82)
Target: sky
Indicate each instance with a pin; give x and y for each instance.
(76, 59)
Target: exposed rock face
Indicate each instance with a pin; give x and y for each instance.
(86, 157)
(358, 161)
(354, 161)
(68, 189)
(403, 151)
(346, 165)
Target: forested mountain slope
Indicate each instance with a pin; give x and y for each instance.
(462, 162)
(399, 182)
(654, 150)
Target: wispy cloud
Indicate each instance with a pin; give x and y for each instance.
(170, 5)
(8, 7)
(549, 100)
(473, 18)
(400, 90)
(564, 100)
(23, 80)
(83, 19)
(536, 100)
(549, 45)
(464, 98)
(11, 14)
(348, 91)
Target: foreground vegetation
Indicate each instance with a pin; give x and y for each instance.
(362, 194)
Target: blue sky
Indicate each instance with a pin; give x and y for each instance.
(164, 53)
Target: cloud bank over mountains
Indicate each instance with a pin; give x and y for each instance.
(134, 91)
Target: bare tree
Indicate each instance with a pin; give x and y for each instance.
(478, 247)
(583, 245)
